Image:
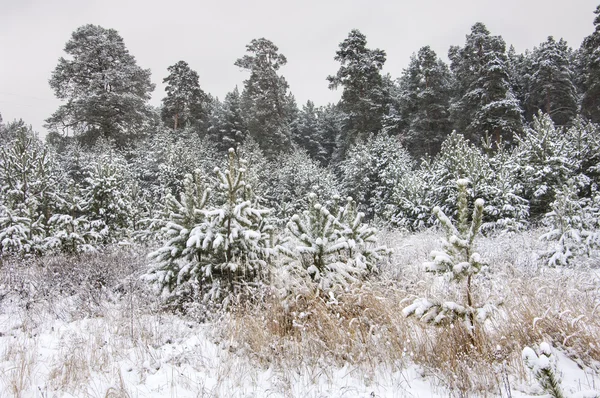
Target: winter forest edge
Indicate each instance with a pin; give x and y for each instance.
(397, 229)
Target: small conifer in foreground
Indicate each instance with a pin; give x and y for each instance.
(457, 260)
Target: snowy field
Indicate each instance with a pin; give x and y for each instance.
(89, 327)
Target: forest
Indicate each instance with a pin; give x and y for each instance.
(398, 222)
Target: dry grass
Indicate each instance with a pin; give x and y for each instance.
(363, 326)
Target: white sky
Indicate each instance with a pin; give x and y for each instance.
(211, 35)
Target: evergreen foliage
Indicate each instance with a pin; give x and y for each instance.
(459, 261)
(227, 126)
(29, 192)
(550, 83)
(543, 367)
(292, 178)
(185, 103)
(267, 107)
(332, 243)
(424, 96)
(212, 249)
(106, 92)
(543, 154)
(372, 169)
(590, 68)
(365, 96)
(484, 102)
(574, 225)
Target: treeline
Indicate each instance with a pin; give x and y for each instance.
(527, 142)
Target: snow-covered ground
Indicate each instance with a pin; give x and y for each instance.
(117, 344)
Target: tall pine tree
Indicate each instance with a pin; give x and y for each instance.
(425, 89)
(365, 96)
(185, 103)
(265, 101)
(550, 82)
(484, 102)
(590, 60)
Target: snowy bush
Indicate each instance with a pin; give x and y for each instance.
(458, 260)
(334, 246)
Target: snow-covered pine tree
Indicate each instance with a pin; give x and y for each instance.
(293, 178)
(175, 265)
(185, 102)
(550, 82)
(459, 262)
(334, 247)
(574, 225)
(266, 105)
(372, 169)
(105, 196)
(545, 163)
(214, 249)
(413, 199)
(29, 191)
(543, 367)
(424, 99)
(484, 102)
(365, 96)
(227, 127)
(70, 230)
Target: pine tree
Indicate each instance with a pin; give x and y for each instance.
(106, 92)
(550, 83)
(332, 244)
(573, 225)
(292, 178)
(425, 89)
(590, 66)
(185, 103)
(228, 128)
(371, 170)
(543, 367)
(544, 156)
(484, 102)
(70, 230)
(365, 96)
(306, 131)
(459, 260)
(330, 123)
(265, 101)
(212, 250)
(29, 191)
(105, 196)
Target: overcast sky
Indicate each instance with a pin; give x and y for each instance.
(211, 35)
